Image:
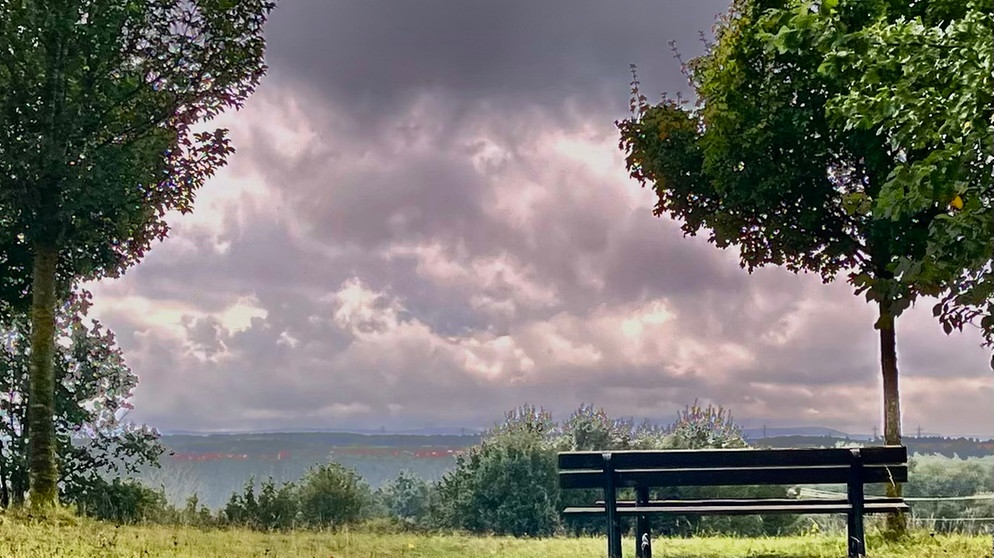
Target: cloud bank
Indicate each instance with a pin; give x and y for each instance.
(428, 222)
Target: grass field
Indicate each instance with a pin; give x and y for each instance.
(81, 538)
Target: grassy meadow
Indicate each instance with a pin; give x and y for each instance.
(68, 536)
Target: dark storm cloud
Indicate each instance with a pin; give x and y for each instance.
(373, 55)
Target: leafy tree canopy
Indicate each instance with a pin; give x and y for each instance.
(841, 136)
(99, 106)
(99, 100)
(921, 78)
(801, 157)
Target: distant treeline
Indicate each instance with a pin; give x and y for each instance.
(926, 445)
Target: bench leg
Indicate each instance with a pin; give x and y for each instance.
(611, 507)
(643, 543)
(854, 493)
(856, 536)
(613, 539)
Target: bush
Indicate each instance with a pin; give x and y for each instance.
(588, 429)
(405, 498)
(508, 484)
(194, 513)
(274, 508)
(277, 507)
(332, 495)
(698, 427)
(119, 501)
(935, 476)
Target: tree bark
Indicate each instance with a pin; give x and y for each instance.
(43, 473)
(897, 524)
(4, 494)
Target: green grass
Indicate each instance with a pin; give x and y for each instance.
(68, 536)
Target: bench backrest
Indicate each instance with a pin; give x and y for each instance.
(721, 467)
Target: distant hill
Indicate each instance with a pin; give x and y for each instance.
(948, 447)
(755, 433)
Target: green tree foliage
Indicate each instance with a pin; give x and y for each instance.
(99, 100)
(93, 388)
(590, 429)
(934, 476)
(699, 427)
(327, 496)
(795, 162)
(406, 499)
(507, 484)
(921, 78)
(332, 496)
(193, 513)
(120, 501)
(275, 508)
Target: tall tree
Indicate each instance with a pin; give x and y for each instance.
(93, 386)
(780, 158)
(99, 100)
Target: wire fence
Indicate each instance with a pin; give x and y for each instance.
(933, 515)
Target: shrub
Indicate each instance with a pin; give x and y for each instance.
(332, 495)
(405, 498)
(508, 483)
(273, 508)
(277, 507)
(589, 429)
(699, 427)
(119, 501)
(935, 476)
(194, 513)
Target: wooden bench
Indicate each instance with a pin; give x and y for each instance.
(642, 470)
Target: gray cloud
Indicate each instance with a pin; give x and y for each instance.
(374, 56)
(427, 222)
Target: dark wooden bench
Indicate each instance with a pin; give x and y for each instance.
(642, 470)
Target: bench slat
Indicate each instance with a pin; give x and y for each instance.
(754, 501)
(831, 474)
(729, 458)
(771, 509)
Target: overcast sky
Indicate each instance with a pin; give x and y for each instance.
(428, 222)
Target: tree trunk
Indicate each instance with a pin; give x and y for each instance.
(4, 494)
(897, 524)
(43, 474)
